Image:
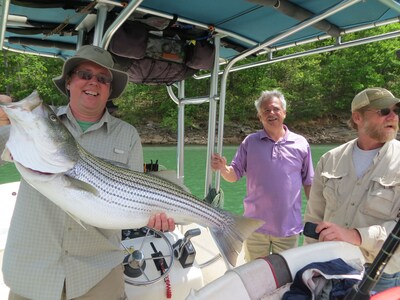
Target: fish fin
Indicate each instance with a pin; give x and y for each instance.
(79, 184)
(76, 219)
(170, 176)
(76, 183)
(230, 240)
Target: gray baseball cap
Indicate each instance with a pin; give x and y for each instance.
(374, 97)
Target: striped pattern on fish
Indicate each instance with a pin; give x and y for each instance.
(141, 194)
(98, 193)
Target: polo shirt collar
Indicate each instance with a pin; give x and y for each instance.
(286, 138)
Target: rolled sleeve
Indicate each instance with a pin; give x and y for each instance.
(373, 237)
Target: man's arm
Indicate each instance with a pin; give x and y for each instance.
(307, 189)
(333, 232)
(3, 116)
(4, 129)
(316, 203)
(218, 163)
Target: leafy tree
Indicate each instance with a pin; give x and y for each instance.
(315, 86)
(21, 74)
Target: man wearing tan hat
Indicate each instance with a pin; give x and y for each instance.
(355, 195)
(49, 255)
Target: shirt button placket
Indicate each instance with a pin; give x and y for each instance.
(274, 151)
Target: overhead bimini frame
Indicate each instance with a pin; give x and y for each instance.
(243, 55)
(267, 47)
(337, 45)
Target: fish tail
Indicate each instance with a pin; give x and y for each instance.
(230, 240)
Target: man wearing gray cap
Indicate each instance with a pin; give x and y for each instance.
(48, 255)
(355, 195)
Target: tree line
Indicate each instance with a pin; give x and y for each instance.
(316, 86)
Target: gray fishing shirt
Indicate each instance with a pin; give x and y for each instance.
(45, 246)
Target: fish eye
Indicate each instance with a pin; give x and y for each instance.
(53, 118)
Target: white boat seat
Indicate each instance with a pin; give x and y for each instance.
(249, 281)
(264, 275)
(269, 277)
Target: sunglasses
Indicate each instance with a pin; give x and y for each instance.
(386, 111)
(87, 75)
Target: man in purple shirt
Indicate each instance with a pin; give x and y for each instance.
(277, 163)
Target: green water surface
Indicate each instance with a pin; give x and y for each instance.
(194, 172)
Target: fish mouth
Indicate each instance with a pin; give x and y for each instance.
(34, 172)
(39, 172)
(24, 105)
(7, 156)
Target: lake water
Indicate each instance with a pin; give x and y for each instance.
(194, 171)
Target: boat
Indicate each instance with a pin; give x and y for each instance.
(207, 266)
(202, 275)
(235, 30)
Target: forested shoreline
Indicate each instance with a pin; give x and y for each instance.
(318, 88)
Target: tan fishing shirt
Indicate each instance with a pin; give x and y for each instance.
(45, 246)
(370, 204)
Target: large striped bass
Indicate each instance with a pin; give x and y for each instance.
(98, 193)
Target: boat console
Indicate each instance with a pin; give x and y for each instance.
(166, 261)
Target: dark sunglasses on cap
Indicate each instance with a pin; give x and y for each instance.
(87, 75)
(386, 111)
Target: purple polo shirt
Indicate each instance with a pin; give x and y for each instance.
(276, 172)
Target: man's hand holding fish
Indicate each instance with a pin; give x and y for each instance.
(3, 116)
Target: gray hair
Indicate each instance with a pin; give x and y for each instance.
(268, 95)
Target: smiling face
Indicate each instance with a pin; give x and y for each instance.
(272, 114)
(376, 128)
(88, 98)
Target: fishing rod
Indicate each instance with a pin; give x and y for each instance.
(363, 289)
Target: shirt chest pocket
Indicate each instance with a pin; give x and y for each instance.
(332, 190)
(382, 200)
(117, 156)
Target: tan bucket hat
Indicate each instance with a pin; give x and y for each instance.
(99, 56)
